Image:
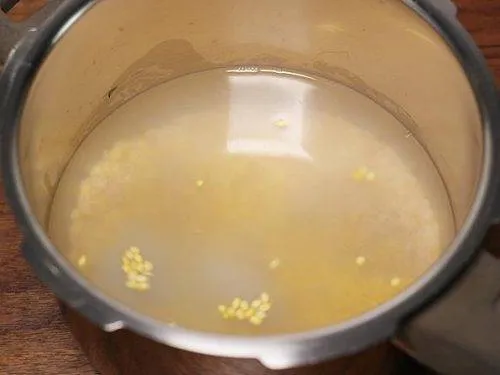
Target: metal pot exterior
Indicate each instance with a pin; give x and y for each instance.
(414, 54)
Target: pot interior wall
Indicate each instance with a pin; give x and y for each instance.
(382, 49)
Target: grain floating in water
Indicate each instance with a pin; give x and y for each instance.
(137, 270)
(255, 312)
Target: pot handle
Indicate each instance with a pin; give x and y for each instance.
(460, 333)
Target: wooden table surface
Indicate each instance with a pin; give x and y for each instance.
(34, 339)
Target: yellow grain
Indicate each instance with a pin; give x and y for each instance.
(134, 250)
(141, 278)
(132, 284)
(260, 315)
(140, 268)
(265, 307)
(231, 311)
(255, 321)
(256, 303)
(142, 287)
(281, 124)
(275, 263)
(254, 312)
(360, 260)
(240, 314)
(82, 261)
(396, 281)
(370, 176)
(136, 269)
(264, 297)
(360, 173)
(236, 303)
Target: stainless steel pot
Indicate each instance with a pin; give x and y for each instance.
(413, 56)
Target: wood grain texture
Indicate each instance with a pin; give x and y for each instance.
(35, 339)
(24, 9)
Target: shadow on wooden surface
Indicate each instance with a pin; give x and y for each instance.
(23, 9)
(124, 353)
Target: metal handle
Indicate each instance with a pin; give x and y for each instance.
(460, 333)
(13, 28)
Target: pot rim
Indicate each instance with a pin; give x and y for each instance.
(276, 351)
